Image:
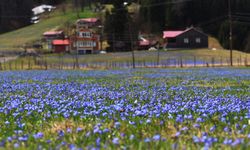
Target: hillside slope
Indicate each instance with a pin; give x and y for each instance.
(15, 40)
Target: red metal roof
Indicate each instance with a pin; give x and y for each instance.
(60, 42)
(89, 20)
(172, 34)
(52, 33)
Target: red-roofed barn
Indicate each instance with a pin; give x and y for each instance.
(60, 46)
(189, 38)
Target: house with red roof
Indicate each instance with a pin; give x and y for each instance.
(86, 40)
(49, 36)
(189, 38)
(60, 46)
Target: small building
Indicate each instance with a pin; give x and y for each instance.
(60, 46)
(52, 35)
(189, 38)
(38, 10)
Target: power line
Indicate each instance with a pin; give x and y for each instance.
(241, 18)
(241, 14)
(167, 3)
(243, 22)
(205, 23)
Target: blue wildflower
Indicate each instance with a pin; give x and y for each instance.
(79, 129)
(69, 130)
(16, 145)
(146, 140)
(212, 129)
(115, 141)
(177, 134)
(39, 135)
(60, 133)
(98, 142)
(131, 137)
(156, 137)
(117, 124)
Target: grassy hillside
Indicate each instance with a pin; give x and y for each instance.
(56, 20)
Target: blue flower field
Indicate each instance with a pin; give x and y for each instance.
(126, 109)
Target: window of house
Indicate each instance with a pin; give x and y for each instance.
(198, 40)
(186, 40)
(86, 43)
(86, 34)
(94, 44)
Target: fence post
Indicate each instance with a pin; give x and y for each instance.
(213, 61)
(21, 64)
(29, 63)
(194, 61)
(15, 65)
(181, 63)
(4, 68)
(10, 65)
(46, 65)
(246, 63)
(240, 61)
(221, 62)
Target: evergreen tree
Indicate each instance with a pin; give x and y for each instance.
(153, 15)
(119, 28)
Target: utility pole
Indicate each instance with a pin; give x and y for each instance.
(131, 42)
(131, 45)
(230, 32)
(158, 54)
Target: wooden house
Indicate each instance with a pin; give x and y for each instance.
(52, 35)
(189, 38)
(86, 40)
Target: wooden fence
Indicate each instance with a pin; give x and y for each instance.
(43, 63)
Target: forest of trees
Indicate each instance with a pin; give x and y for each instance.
(211, 16)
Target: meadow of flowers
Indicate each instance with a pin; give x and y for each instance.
(126, 109)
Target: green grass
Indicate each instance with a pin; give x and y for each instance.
(15, 40)
(152, 55)
(221, 57)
